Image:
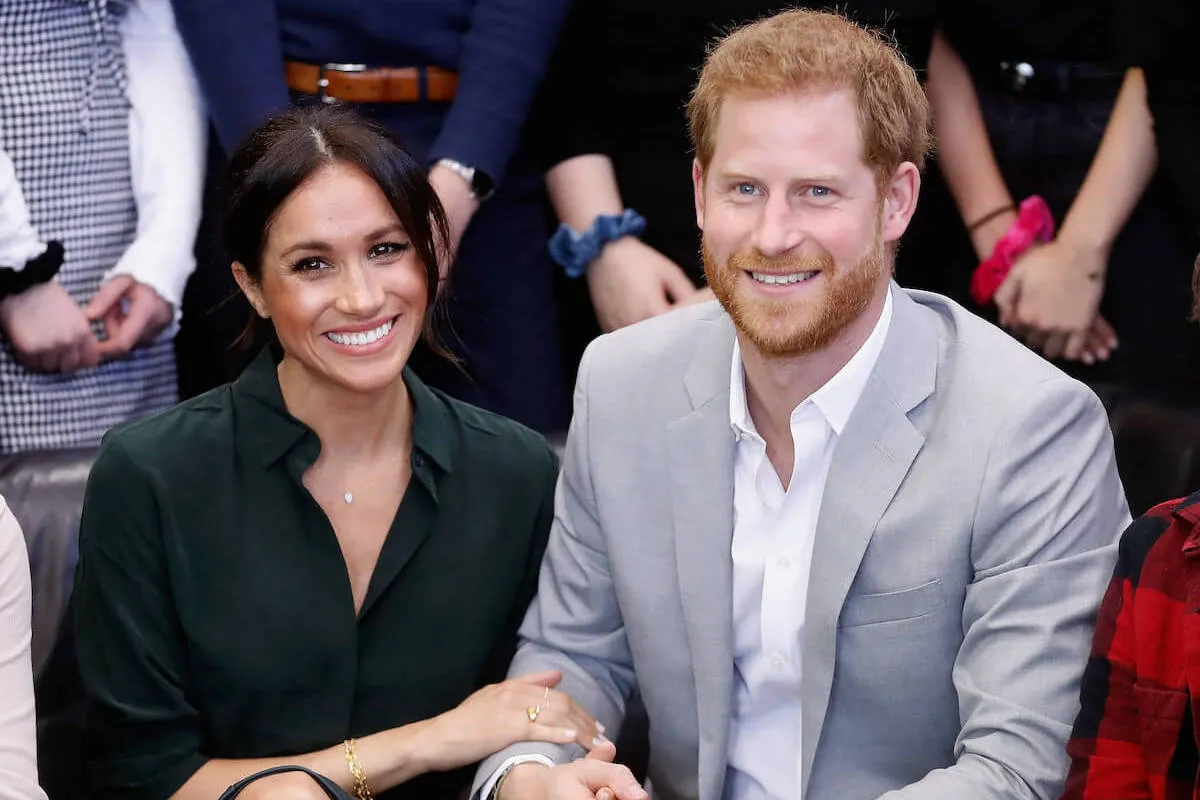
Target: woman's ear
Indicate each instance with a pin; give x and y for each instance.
(251, 288)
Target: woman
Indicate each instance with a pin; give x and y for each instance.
(323, 562)
(18, 757)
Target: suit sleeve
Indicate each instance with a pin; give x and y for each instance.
(1051, 507)
(1107, 759)
(237, 54)
(504, 58)
(574, 624)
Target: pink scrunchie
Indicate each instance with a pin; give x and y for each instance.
(1034, 223)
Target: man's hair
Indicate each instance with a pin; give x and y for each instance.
(800, 51)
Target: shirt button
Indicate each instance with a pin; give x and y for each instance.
(783, 562)
(777, 661)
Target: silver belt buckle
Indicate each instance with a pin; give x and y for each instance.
(323, 82)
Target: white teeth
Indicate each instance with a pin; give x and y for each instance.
(360, 339)
(795, 277)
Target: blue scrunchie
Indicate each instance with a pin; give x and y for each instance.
(575, 251)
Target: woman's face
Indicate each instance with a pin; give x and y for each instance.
(340, 282)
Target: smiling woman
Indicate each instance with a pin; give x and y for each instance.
(273, 573)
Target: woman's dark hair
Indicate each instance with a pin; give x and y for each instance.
(289, 149)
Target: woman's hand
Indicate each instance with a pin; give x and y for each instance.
(499, 715)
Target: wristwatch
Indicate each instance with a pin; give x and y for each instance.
(482, 186)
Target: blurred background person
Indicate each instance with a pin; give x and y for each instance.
(1039, 98)
(454, 79)
(613, 135)
(101, 125)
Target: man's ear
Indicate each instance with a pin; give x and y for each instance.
(251, 288)
(698, 187)
(900, 201)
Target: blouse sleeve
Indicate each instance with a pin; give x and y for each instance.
(18, 729)
(144, 737)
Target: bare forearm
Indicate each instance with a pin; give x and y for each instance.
(387, 758)
(583, 188)
(1122, 167)
(964, 150)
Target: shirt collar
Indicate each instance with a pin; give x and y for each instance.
(835, 400)
(272, 432)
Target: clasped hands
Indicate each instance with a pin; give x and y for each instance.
(1051, 300)
(50, 332)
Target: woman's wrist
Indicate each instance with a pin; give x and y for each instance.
(985, 236)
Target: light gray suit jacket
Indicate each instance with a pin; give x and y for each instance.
(967, 531)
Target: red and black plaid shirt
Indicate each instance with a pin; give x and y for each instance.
(1135, 736)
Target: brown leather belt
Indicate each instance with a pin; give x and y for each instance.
(356, 83)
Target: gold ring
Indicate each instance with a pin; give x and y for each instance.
(532, 712)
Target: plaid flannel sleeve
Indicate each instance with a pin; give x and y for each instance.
(1110, 759)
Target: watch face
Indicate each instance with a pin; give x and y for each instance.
(482, 186)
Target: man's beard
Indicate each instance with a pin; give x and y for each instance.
(795, 327)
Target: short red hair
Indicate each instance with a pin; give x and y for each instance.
(802, 50)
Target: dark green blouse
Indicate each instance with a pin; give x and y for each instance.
(213, 611)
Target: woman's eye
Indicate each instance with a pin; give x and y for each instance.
(387, 249)
(309, 265)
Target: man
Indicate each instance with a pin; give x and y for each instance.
(847, 541)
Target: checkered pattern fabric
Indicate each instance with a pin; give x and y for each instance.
(1136, 736)
(64, 121)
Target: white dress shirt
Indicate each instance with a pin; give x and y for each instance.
(773, 534)
(167, 139)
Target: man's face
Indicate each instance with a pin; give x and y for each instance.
(793, 221)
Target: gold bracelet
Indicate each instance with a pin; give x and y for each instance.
(361, 790)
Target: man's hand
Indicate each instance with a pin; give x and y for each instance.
(1051, 299)
(631, 281)
(460, 205)
(592, 778)
(48, 330)
(133, 314)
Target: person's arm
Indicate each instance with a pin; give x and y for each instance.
(237, 53)
(18, 728)
(1054, 291)
(964, 151)
(576, 604)
(132, 655)
(629, 281)
(1051, 508)
(45, 326)
(167, 132)
(504, 58)
(1107, 759)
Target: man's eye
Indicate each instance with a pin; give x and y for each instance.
(746, 189)
(820, 191)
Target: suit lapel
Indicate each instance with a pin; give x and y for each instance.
(872, 456)
(701, 454)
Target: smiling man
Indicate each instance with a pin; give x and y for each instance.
(847, 541)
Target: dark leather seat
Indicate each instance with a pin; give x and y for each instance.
(1158, 453)
(45, 492)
